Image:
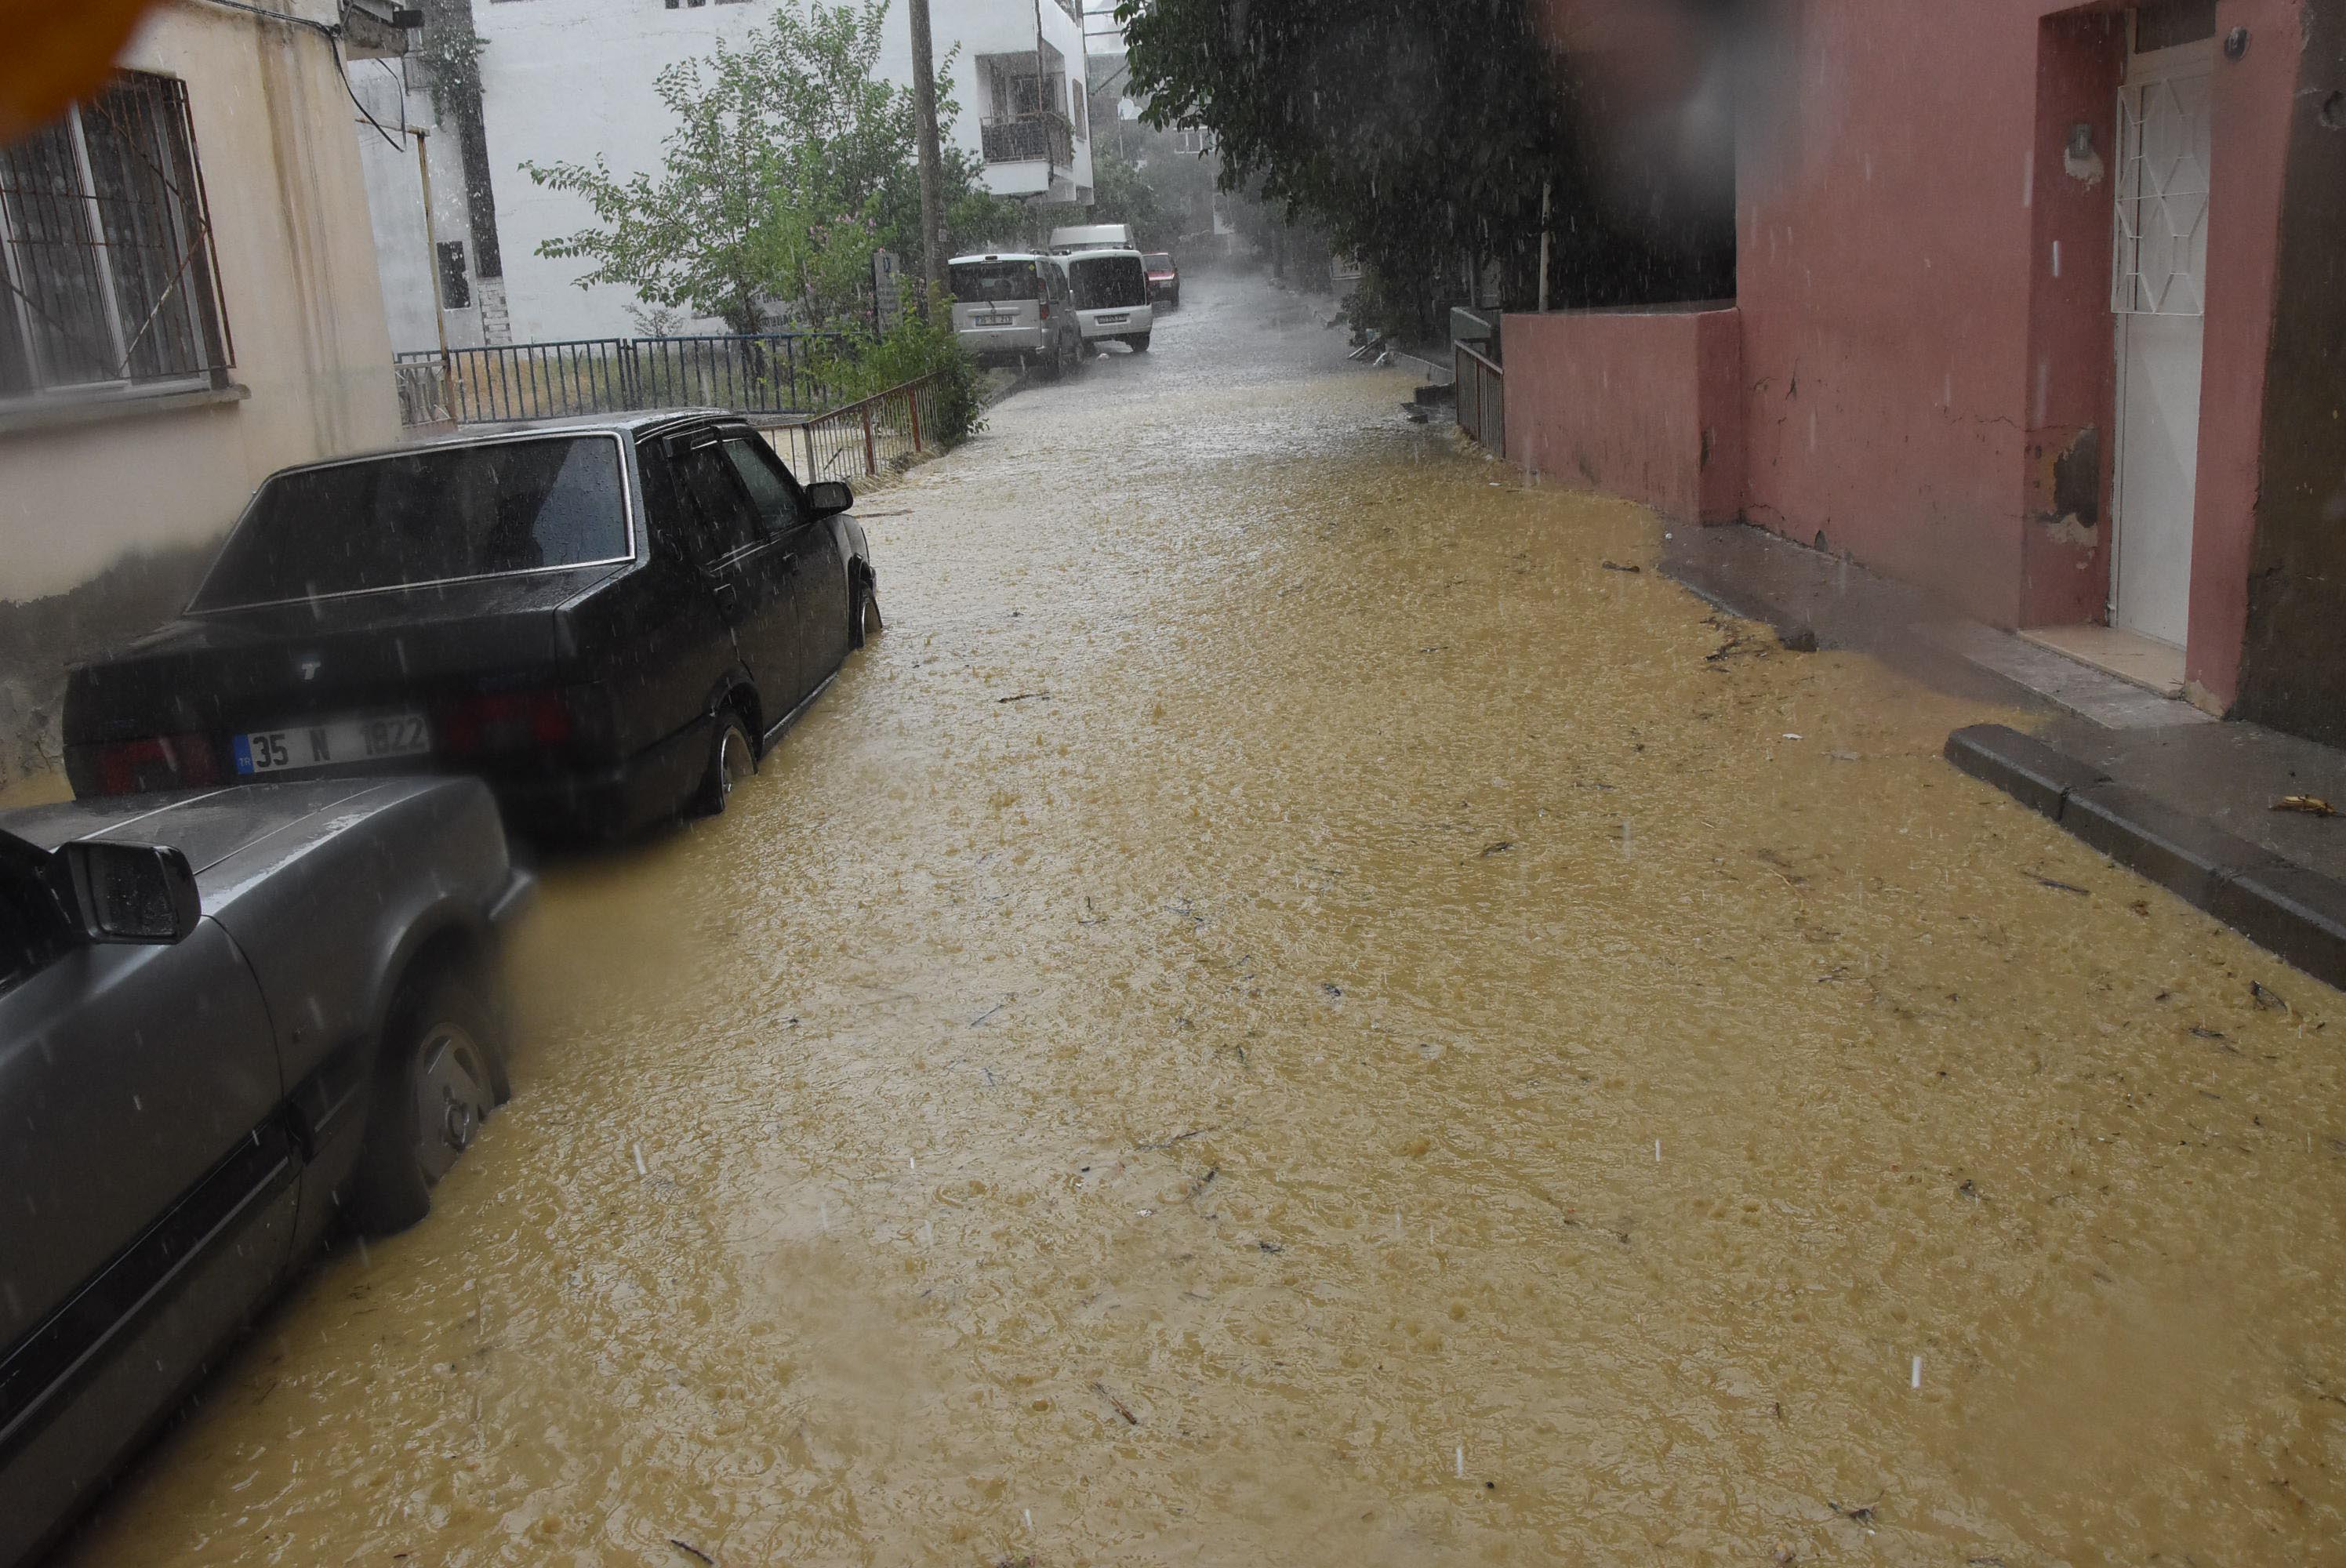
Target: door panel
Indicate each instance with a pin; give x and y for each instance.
(753, 579)
(126, 1074)
(2158, 293)
(2158, 436)
(813, 548)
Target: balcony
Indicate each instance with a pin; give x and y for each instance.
(1029, 139)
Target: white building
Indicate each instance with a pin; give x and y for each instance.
(570, 80)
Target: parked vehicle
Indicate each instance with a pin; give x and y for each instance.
(225, 1018)
(1013, 306)
(1111, 289)
(1094, 237)
(1164, 280)
(607, 620)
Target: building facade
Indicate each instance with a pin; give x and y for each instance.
(187, 301)
(2034, 305)
(569, 79)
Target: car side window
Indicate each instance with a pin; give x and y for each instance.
(675, 525)
(773, 492)
(726, 518)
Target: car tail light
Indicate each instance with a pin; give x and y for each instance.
(1046, 309)
(502, 722)
(154, 762)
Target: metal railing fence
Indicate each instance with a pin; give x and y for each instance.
(1481, 398)
(864, 438)
(766, 374)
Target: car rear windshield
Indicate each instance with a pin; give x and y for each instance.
(991, 282)
(1159, 261)
(425, 516)
(1105, 283)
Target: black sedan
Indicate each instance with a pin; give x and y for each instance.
(608, 621)
(225, 1018)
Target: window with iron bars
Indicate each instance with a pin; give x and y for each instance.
(108, 279)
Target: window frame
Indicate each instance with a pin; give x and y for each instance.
(158, 105)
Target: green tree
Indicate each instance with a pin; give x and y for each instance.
(790, 161)
(1421, 136)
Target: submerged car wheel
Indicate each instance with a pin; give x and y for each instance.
(436, 1080)
(1139, 341)
(731, 759)
(862, 612)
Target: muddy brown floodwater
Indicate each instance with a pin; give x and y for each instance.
(1285, 1013)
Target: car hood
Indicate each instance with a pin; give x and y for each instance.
(210, 826)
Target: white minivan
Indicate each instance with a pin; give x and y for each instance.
(1014, 306)
(1095, 237)
(1111, 297)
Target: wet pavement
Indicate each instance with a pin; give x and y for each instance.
(1287, 1011)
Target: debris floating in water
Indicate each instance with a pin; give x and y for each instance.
(640, 1168)
(1462, 1462)
(1918, 1373)
(1657, 1150)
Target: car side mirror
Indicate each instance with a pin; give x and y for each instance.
(130, 892)
(830, 497)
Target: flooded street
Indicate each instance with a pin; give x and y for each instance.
(1294, 1008)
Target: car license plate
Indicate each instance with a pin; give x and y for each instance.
(333, 741)
(1114, 321)
(995, 318)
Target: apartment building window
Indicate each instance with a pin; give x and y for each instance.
(108, 274)
(1194, 139)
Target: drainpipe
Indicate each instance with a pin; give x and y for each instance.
(431, 263)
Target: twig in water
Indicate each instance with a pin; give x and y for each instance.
(1023, 696)
(1501, 848)
(987, 1013)
(1121, 1407)
(1617, 567)
(1176, 1138)
(2061, 887)
(689, 1548)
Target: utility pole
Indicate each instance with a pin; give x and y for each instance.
(925, 118)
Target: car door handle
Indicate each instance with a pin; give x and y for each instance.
(729, 601)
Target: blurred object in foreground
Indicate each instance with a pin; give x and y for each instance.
(57, 51)
(1662, 86)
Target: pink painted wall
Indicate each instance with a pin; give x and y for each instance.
(1915, 366)
(1888, 245)
(2253, 98)
(1642, 404)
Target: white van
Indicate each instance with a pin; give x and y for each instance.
(1111, 297)
(1095, 237)
(1012, 306)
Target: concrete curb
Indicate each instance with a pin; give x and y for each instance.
(2289, 910)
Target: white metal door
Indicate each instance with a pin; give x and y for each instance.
(2159, 295)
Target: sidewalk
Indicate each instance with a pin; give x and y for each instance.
(2152, 782)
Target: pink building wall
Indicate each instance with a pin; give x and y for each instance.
(1646, 404)
(1927, 350)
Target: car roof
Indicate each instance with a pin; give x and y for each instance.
(631, 425)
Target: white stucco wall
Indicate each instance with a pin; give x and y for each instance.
(394, 193)
(297, 272)
(572, 79)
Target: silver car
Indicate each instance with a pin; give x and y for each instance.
(1015, 307)
(225, 1018)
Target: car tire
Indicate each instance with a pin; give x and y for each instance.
(733, 757)
(1139, 341)
(1052, 365)
(437, 1078)
(862, 612)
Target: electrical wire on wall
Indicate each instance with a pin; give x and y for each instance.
(333, 37)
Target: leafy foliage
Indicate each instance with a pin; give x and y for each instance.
(865, 365)
(789, 162)
(1420, 134)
